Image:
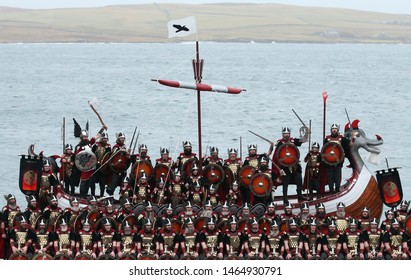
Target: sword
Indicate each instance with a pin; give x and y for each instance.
(299, 117)
(348, 117)
(260, 136)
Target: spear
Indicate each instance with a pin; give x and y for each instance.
(325, 95)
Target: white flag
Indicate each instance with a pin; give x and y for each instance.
(182, 27)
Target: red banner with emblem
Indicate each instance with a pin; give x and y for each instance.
(389, 184)
(30, 174)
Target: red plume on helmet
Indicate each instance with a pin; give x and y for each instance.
(355, 124)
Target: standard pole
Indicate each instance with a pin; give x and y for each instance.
(325, 95)
(197, 75)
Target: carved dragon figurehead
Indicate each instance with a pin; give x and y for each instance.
(358, 140)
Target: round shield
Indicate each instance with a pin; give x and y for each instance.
(228, 176)
(407, 225)
(200, 223)
(223, 225)
(176, 225)
(85, 160)
(288, 155)
(261, 184)
(264, 224)
(119, 162)
(92, 217)
(188, 164)
(332, 153)
(19, 256)
(130, 219)
(213, 173)
(42, 257)
(246, 173)
(163, 171)
(140, 167)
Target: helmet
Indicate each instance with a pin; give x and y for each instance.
(320, 206)
(84, 133)
(104, 135)
(264, 160)
(232, 151)
(167, 222)
(208, 203)
(91, 198)
(68, 147)
(252, 147)
(187, 144)
(286, 130)
(315, 145)
(232, 220)
(121, 135)
(210, 221)
(142, 147)
(334, 125)
(374, 221)
(292, 222)
(213, 150)
(246, 206)
(164, 151)
(46, 162)
(304, 206)
(340, 205)
(272, 204)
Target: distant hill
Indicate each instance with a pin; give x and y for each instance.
(215, 22)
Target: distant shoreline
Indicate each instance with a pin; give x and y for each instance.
(233, 23)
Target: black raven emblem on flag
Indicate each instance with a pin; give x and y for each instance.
(180, 28)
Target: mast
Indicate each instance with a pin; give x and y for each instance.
(198, 71)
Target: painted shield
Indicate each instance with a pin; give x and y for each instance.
(261, 184)
(407, 225)
(264, 224)
(188, 164)
(140, 167)
(213, 173)
(85, 160)
(246, 173)
(228, 176)
(332, 153)
(163, 171)
(119, 162)
(389, 184)
(288, 155)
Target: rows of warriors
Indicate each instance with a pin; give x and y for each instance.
(186, 231)
(165, 180)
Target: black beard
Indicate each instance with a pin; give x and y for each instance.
(187, 152)
(321, 215)
(334, 135)
(84, 142)
(264, 168)
(53, 206)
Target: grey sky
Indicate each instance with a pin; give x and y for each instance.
(388, 6)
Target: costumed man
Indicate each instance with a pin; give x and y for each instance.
(86, 180)
(274, 244)
(44, 240)
(195, 194)
(233, 239)
(49, 184)
(225, 213)
(178, 189)
(334, 171)
(168, 213)
(86, 241)
(33, 211)
(165, 158)
(313, 242)
(213, 158)
(234, 195)
(208, 211)
(263, 168)
(372, 237)
(167, 241)
(270, 213)
(71, 213)
(395, 242)
(211, 240)
(312, 170)
(186, 155)
(304, 217)
(118, 176)
(161, 192)
(189, 239)
(332, 242)
(287, 215)
(352, 243)
(293, 240)
(108, 240)
(290, 173)
(22, 237)
(254, 242)
(195, 177)
(147, 240)
(64, 240)
(389, 218)
(101, 149)
(212, 195)
(109, 211)
(129, 238)
(67, 174)
(138, 159)
(253, 160)
(142, 190)
(125, 211)
(234, 164)
(341, 217)
(321, 217)
(8, 213)
(52, 212)
(187, 213)
(402, 213)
